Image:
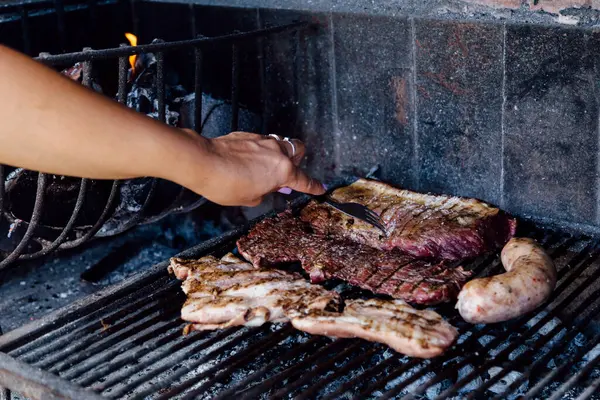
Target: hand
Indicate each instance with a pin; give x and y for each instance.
(244, 167)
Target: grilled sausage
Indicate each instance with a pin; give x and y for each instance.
(528, 282)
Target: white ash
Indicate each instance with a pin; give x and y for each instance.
(592, 354)
(476, 382)
(536, 318)
(518, 352)
(500, 348)
(463, 337)
(507, 380)
(550, 325)
(485, 339)
(580, 340)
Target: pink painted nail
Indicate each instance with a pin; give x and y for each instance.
(325, 187)
(285, 190)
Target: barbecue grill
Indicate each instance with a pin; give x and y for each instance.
(126, 341)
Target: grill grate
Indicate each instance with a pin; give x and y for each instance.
(127, 342)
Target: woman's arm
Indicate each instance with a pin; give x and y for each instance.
(54, 125)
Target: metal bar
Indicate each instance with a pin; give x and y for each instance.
(232, 362)
(567, 300)
(540, 362)
(68, 58)
(84, 349)
(360, 380)
(2, 189)
(313, 390)
(592, 389)
(579, 260)
(573, 330)
(290, 387)
(457, 350)
(332, 348)
(123, 69)
(139, 341)
(63, 235)
(235, 86)
(192, 344)
(36, 214)
(84, 324)
(109, 297)
(101, 220)
(159, 84)
(582, 373)
(181, 371)
(198, 90)
(75, 337)
(61, 27)
(260, 43)
(277, 361)
(562, 368)
(38, 384)
(87, 82)
(25, 31)
(193, 23)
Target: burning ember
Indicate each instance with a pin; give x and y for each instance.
(132, 41)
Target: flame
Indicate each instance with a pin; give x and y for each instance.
(132, 41)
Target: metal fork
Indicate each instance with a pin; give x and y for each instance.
(355, 210)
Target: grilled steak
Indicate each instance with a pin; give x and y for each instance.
(285, 238)
(229, 292)
(422, 225)
(416, 333)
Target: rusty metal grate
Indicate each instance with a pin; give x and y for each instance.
(30, 245)
(127, 343)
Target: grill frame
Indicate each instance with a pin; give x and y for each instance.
(330, 353)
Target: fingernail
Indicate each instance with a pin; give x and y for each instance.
(325, 186)
(285, 190)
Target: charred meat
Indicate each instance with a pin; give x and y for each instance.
(422, 225)
(285, 238)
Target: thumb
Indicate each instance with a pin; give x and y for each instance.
(301, 182)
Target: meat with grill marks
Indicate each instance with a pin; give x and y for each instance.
(284, 238)
(229, 292)
(418, 224)
(416, 333)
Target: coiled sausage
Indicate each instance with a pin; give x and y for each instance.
(528, 283)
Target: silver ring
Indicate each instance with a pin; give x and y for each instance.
(277, 137)
(287, 139)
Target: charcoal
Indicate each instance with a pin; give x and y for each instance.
(60, 197)
(216, 116)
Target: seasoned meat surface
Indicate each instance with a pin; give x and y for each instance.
(229, 292)
(528, 282)
(284, 238)
(224, 292)
(416, 333)
(422, 225)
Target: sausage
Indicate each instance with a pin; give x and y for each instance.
(528, 283)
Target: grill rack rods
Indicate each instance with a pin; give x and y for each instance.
(127, 342)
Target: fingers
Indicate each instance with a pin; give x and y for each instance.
(294, 149)
(301, 182)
